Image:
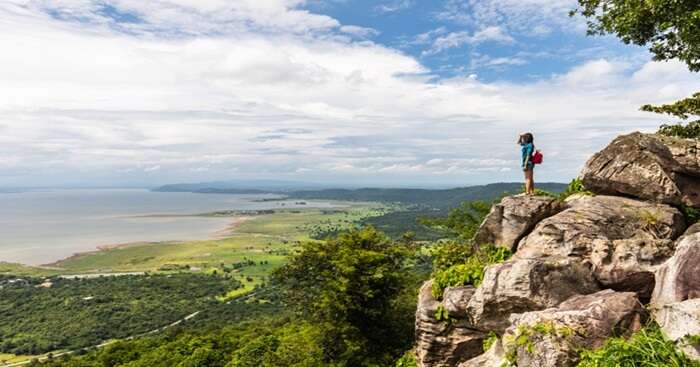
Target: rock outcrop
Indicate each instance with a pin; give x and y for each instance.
(526, 285)
(551, 338)
(624, 240)
(514, 217)
(648, 167)
(440, 343)
(582, 269)
(595, 221)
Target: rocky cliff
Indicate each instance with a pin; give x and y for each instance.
(585, 268)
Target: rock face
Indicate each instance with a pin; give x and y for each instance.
(678, 279)
(442, 344)
(515, 216)
(680, 320)
(526, 285)
(649, 167)
(456, 299)
(629, 265)
(494, 357)
(624, 239)
(595, 221)
(551, 338)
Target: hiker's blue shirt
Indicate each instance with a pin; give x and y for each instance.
(527, 150)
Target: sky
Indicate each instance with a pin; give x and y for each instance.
(342, 92)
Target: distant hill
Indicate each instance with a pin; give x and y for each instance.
(438, 199)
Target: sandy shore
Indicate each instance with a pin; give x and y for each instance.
(230, 229)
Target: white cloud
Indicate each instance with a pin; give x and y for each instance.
(458, 39)
(394, 6)
(532, 17)
(359, 31)
(85, 102)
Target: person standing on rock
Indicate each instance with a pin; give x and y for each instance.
(528, 149)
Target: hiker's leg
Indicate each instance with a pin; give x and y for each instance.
(527, 181)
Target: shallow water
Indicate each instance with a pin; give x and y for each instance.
(43, 227)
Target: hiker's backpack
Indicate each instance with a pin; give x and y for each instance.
(537, 157)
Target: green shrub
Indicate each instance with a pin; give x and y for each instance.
(448, 254)
(490, 340)
(471, 270)
(575, 187)
(691, 215)
(646, 348)
(441, 314)
(461, 222)
(407, 360)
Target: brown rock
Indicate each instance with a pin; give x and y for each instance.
(442, 344)
(594, 219)
(456, 299)
(551, 338)
(629, 265)
(647, 166)
(494, 357)
(515, 216)
(526, 285)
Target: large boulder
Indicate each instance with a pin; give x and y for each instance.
(518, 286)
(629, 265)
(625, 240)
(678, 279)
(679, 321)
(515, 216)
(592, 221)
(553, 337)
(649, 167)
(440, 343)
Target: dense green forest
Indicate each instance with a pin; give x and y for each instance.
(441, 200)
(418, 204)
(75, 313)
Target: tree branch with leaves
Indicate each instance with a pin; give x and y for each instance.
(671, 30)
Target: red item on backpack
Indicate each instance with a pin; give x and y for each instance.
(537, 157)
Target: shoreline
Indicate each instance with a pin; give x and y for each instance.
(228, 231)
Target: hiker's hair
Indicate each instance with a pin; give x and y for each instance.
(526, 138)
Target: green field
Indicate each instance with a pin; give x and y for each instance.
(251, 251)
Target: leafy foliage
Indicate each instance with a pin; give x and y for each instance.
(670, 27)
(462, 221)
(682, 109)
(79, 313)
(407, 360)
(450, 253)
(470, 271)
(490, 340)
(690, 130)
(691, 214)
(350, 286)
(441, 314)
(575, 187)
(648, 347)
(266, 342)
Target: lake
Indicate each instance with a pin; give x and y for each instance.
(40, 227)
